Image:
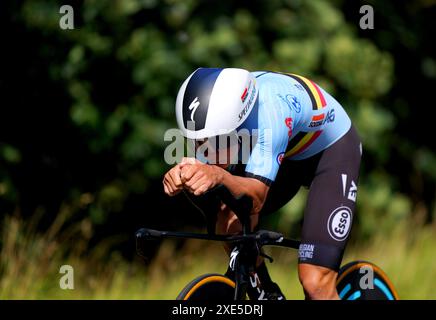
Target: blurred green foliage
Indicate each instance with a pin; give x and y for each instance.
(30, 261)
(110, 86)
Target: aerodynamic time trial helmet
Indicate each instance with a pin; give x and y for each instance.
(217, 101)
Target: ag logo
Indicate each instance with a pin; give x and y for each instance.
(339, 223)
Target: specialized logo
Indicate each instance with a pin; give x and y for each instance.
(321, 119)
(233, 256)
(250, 101)
(339, 223)
(193, 107)
(243, 112)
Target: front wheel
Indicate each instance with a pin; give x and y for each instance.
(208, 287)
(362, 280)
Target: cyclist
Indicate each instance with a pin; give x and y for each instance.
(304, 138)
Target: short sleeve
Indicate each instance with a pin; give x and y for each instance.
(275, 128)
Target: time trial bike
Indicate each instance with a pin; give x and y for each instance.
(357, 280)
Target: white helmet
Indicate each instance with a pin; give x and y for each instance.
(216, 101)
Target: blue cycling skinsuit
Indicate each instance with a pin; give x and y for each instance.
(306, 139)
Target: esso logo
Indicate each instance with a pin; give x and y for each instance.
(339, 223)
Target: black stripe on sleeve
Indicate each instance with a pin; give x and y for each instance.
(295, 140)
(309, 92)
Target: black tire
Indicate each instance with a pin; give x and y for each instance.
(208, 287)
(351, 275)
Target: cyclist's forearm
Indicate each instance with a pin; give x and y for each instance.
(253, 188)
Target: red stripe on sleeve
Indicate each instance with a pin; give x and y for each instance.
(321, 96)
(308, 143)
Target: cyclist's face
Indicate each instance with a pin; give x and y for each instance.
(221, 151)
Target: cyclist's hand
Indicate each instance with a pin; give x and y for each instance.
(198, 177)
(172, 182)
